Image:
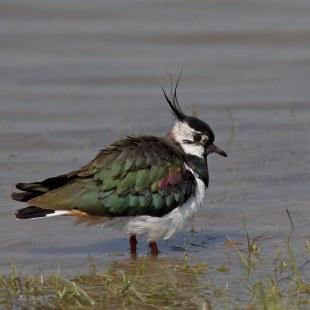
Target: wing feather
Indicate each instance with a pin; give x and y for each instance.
(133, 176)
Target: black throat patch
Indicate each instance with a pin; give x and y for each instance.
(200, 166)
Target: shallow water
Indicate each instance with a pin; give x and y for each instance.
(75, 78)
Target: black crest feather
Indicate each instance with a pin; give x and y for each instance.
(173, 101)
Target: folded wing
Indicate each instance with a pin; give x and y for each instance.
(133, 176)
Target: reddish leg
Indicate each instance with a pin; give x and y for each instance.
(133, 244)
(153, 248)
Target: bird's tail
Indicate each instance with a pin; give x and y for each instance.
(32, 212)
(35, 189)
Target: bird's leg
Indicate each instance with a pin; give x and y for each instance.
(153, 248)
(133, 244)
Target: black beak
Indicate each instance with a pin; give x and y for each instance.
(215, 149)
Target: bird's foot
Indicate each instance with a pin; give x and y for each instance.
(133, 244)
(153, 248)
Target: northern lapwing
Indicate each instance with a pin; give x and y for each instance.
(139, 185)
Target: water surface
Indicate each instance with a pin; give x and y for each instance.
(73, 78)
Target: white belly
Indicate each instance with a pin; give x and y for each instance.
(154, 228)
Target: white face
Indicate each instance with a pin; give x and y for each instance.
(182, 132)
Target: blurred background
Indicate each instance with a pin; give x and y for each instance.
(76, 75)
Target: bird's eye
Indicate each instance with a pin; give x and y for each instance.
(197, 137)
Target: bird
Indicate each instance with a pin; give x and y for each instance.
(140, 185)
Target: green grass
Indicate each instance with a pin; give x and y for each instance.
(253, 279)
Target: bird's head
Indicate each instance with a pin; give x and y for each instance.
(194, 135)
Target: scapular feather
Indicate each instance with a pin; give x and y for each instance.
(133, 201)
(145, 199)
(158, 201)
(117, 168)
(127, 182)
(170, 199)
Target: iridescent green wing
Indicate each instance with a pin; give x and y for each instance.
(138, 176)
